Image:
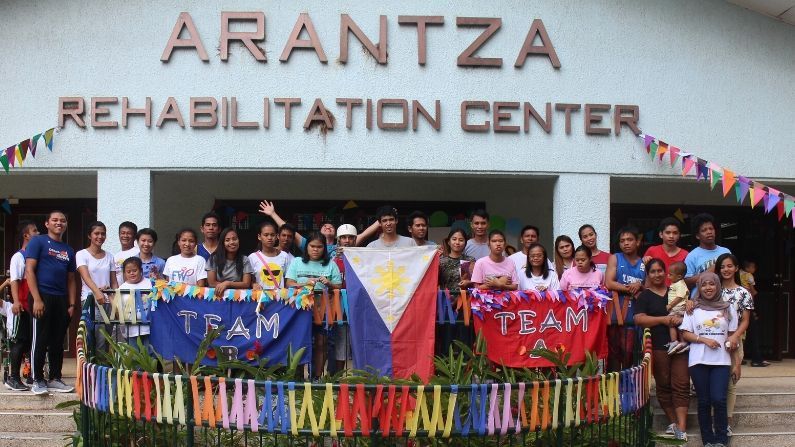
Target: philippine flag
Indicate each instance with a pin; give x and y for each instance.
(392, 309)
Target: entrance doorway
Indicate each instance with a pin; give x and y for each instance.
(79, 213)
(749, 234)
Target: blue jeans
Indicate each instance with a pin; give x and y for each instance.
(712, 385)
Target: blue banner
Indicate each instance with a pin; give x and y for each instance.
(180, 325)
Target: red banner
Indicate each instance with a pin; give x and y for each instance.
(515, 323)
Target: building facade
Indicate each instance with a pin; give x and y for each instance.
(529, 108)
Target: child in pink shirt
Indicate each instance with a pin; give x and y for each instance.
(584, 275)
(495, 271)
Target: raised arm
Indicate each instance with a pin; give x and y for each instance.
(368, 233)
(269, 209)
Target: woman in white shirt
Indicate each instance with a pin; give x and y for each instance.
(537, 275)
(708, 330)
(95, 265)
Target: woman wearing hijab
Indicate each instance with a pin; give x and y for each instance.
(708, 329)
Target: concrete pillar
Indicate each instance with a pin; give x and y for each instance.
(123, 194)
(582, 199)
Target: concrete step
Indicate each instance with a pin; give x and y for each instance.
(753, 401)
(34, 421)
(34, 439)
(749, 437)
(22, 400)
(775, 420)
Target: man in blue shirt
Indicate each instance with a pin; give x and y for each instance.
(50, 270)
(702, 258)
(625, 275)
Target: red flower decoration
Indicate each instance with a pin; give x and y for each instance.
(211, 353)
(251, 354)
(560, 347)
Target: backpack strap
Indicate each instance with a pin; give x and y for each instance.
(267, 267)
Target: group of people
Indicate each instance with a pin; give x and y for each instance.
(697, 303)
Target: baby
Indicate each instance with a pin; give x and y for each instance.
(677, 296)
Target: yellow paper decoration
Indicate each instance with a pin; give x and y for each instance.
(128, 393)
(569, 413)
(167, 400)
(307, 407)
(120, 391)
(448, 425)
(577, 402)
(179, 401)
(291, 403)
(556, 404)
(327, 410)
(158, 402)
(110, 393)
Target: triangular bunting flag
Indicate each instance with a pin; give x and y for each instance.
(19, 157)
(673, 151)
(350, 205)
(6, 206)
(680, 215)
(23, 148)
(647, 139)
(728, 181)
(757, 193)
(772, 199)
(653, 149)
(788, 205)
(742, 189)
(687, 165)
(662, 150)
(48, 134)
(702, 171)
(34, 141)
(10, 154)
(4, 162)
(780, 210)
(714, 175)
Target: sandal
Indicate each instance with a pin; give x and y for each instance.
(761, 364)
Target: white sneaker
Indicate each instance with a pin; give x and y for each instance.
(58, 386)
(671, 430)
(680, 435)
(729, 430)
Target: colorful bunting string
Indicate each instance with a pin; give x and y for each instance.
(14, 156)
(387, 410)
(771, 198)
(489, 300)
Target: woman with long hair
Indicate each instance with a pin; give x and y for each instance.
(670, 371)
(564, 254)
(455, 273)
(227, 267)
